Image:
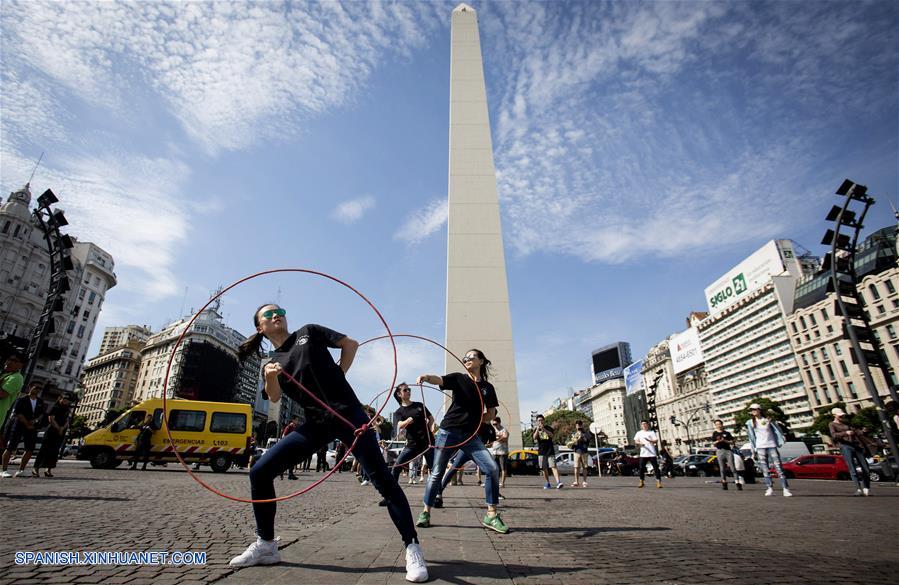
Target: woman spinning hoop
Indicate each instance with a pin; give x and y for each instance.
(302, 358)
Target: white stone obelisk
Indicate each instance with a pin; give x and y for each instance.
(477, 295)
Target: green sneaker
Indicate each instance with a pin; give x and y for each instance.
(495, 523)
(424, 520)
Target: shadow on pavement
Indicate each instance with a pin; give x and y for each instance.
(58, 497)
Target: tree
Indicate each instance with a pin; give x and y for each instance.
(527, 438)
(111, 415)
(562, 422)
(770, 409)
(79, 427)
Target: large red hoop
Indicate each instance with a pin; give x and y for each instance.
(358, 433)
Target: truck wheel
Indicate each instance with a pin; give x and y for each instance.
(103, 459)
(220, 462)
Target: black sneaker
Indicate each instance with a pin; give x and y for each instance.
(383, 502)
(438, 502)
(502, 497)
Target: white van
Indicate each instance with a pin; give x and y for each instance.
(788, 451)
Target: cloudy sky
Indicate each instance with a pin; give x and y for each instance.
(642, 150)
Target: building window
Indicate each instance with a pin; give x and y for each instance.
(814, 356)
(851, 387)
(811, 317)
(804, 360)
(802, 322)
(795, 329)
(890, 288)
(824, 355)
(824, 314)
(86, 315)
(873, 290)
(836, 349)
(830, 328)
(91, 298)
(844, 369)
(81, 332)
(81, 294)
(6, 227)
(891, 331)
(830, 372)
(881, 310)
(71, 327)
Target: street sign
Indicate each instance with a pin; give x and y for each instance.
(594, 428)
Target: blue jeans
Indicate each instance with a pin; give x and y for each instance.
(409, 453)
(851, 453)
(306, 440)
(763, 454)
(475, 450)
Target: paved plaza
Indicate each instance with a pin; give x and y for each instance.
(689, 532)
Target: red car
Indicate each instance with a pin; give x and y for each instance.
(816, 466)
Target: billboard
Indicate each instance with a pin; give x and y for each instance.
(685, 350)
(747, 276)
(633, 377)
(609, 361)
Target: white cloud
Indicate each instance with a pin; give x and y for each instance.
(372, 371)
(353, 210)
(423, 222)
(232, 74)
(124, 204)
(638, 129)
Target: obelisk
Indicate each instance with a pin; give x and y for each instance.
(477, 293)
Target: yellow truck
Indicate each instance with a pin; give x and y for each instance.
(214, 433)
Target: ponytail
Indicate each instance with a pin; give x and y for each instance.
(486, 367)
(250, 346)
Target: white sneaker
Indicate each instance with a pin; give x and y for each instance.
(858, 492)
(261, 552)
(866, 491)
(769, 492)
(410, 482)
(416, 568)
(19, 473)
(787, 493)
(364, 482)
(5, 474)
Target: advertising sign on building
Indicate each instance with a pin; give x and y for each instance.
(685, 351)
(747, 276)
(633, 377)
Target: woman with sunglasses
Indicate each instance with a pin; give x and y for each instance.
(304, 356)
(417, 421)
(465, 414)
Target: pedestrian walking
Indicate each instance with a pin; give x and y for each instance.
(464, 415)
(289, 428)
(724, 445)
(304, 356)
(667, 463)
(580, 444)
(766, 436)
(11, 382)
(501, 450)
(26, 416)
(648, 442)
(48, 454)
(143, 443)
(546, 451)
(853, 443)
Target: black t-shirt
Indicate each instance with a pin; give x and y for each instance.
(722, 440)
(305, 356)
(545, 442)
(465, 411)
(417, 433)
(59, 413)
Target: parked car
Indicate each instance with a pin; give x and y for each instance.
(815, 467)
(707, 466)
(565, 463)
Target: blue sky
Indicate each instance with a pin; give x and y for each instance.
(642, 149)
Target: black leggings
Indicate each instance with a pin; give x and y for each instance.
(408, 454)
(309, 438)
(655, 467)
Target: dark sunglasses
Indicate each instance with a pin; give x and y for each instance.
(469, 358)
(405, 389)
(272, 312)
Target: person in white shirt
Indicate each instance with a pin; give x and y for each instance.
(765, 436)
(648, 442)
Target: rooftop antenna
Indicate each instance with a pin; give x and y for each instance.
(183, 302)
(895, 212)
(35, 167)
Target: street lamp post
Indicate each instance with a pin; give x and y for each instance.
(58, 245)
(686, 424)
(844, 282)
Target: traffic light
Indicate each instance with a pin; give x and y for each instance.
(707, 407)
(673, 419)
